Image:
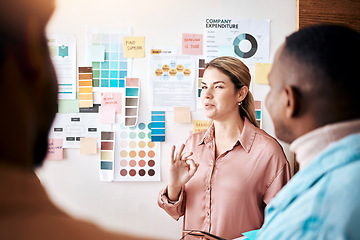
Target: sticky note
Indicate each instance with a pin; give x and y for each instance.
(68, 105)
(88, 145)
(96, 53)
(107, 115)
(182, 115)
(226, 50)
(262, 71)
(55, 149)
(134, 47)
(200, 125)
(112, 100)
(192, 44)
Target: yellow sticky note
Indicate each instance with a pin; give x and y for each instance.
(182, 115)
(200, 125)
(88, 145)
(262, 71)
(134, 47)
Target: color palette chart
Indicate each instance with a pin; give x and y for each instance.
(158, 126)
(137, 158)
(258, 112)
(113, 70)
(86, 98)
(132, 93)
(107, 156)
(200, 75)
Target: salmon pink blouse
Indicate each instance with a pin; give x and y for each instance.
(227, 195)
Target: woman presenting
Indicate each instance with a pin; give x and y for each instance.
(221, 179)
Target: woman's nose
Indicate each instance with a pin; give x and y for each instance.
(206, 93)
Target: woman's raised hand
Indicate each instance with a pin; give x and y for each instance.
(182, 168)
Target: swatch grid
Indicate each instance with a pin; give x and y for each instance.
(137, 158)
(113, 70)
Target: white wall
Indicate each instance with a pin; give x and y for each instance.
(74, 182)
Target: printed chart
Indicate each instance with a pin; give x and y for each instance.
(245, 39)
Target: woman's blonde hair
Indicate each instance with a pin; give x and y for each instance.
(239, 74)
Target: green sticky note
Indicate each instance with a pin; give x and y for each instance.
(69, 105)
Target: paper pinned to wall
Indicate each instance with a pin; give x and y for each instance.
(248, 38)
(172, 79)
(107, 114)
(182, 115)
(192, 44)
(68, 105)
(88, 145)
(55, 149)
(112, 100)
(134, 47)
(62, 48)
(110, 73)
(262, 71)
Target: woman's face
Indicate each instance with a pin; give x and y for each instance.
(218, 96)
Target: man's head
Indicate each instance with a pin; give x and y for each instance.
(314, 80)
(28, 87)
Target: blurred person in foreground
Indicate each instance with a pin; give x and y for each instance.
(314, 103)
(28, 92)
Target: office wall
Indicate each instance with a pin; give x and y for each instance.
(73, 183)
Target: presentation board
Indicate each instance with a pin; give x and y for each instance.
(78, 183)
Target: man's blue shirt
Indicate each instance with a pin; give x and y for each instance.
(322, 201)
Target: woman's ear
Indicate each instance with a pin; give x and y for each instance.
(242, 93)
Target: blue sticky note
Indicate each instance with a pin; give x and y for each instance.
(96, 53)
(226, 50)
(251, 235)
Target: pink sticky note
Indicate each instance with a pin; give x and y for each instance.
(107, 114)
(55, 149)
(112, 100)
(192, 44)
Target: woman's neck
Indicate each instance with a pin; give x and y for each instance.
(226, 134)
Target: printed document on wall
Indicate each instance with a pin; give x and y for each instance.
(246, 39)
(172, 79)
(62, 48)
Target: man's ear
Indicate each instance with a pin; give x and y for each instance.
(293, 101)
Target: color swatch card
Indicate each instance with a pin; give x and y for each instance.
(201, 70)
(258, 111)
(137, 158)
(158, 126)
(111, 72)
(132, 94)
(62, 48)
(107, 156)
(86, 98)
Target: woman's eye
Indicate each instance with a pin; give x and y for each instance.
(219, 87)
(203, 87)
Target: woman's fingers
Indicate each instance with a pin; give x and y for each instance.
(172, 153)
(192, 166)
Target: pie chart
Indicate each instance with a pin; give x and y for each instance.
(251, 39)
